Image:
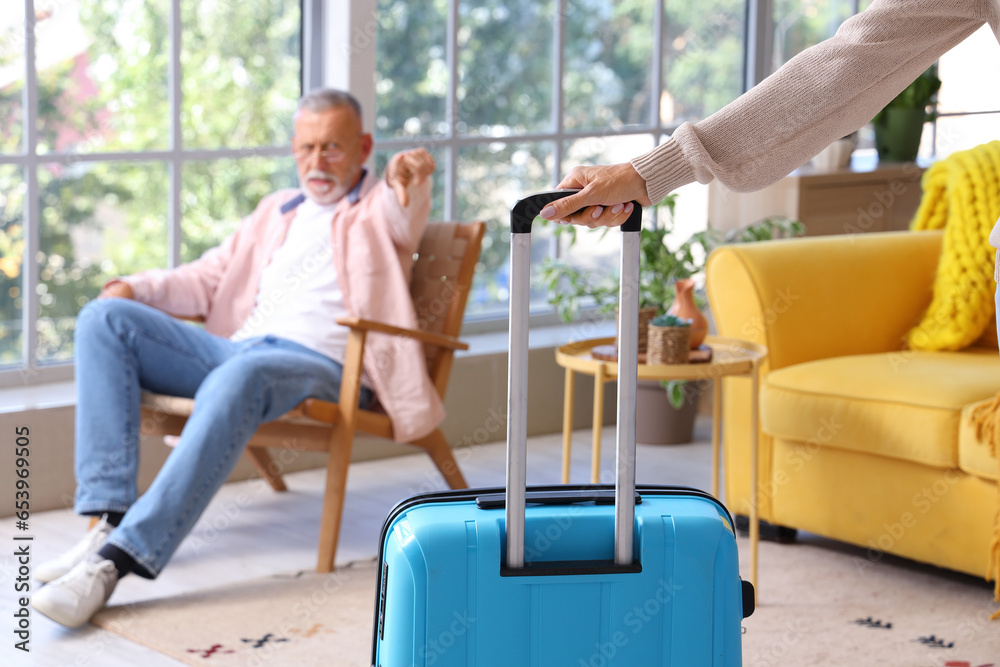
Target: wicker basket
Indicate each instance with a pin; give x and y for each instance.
(645, 315)
(668, 345)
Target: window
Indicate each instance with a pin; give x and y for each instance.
(968, 111)
(798, 24)
(137, 134)
(510, 94)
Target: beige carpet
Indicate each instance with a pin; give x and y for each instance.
(820, 603)
(301, 619)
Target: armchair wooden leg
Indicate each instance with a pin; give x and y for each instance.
(333, 497)
(440, 452)
(339, 457)
(264, 464)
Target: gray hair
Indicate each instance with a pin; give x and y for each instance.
(322, 99)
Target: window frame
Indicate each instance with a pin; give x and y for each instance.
(175, 156)
(452, 141)
(336, 50)
(951, 114)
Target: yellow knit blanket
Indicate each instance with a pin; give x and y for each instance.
(986, 420)
(962, 196)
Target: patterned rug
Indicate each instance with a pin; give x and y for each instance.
(300, 619)
(820, 603)
(824, 603)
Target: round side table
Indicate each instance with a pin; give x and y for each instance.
(730, 357)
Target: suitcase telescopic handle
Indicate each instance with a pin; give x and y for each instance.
(522, 215)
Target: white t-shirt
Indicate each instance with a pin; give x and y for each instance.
(299, 297)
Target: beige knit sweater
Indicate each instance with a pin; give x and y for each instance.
(820, 95)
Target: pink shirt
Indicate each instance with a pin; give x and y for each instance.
(373, 244)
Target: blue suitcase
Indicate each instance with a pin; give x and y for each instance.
(502, 577)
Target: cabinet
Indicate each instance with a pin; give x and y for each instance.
(866, 196)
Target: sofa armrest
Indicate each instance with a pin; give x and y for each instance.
(819, 297)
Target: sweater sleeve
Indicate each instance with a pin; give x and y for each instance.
(820, 95)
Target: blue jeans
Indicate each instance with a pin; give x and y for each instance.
(123, 347)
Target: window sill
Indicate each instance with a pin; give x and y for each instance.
(62, 394)
(37, 397)
(538, 337)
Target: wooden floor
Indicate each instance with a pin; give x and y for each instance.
(249, 531)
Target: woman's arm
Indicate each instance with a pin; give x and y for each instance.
(822, 94)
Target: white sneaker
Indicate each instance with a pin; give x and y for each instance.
(90, 544)
(74, 598)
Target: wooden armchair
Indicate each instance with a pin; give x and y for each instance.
(440, 285)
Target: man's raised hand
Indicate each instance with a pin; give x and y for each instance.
(408, 168)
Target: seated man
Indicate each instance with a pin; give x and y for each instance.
(270, 295)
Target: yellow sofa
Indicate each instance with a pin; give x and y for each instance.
(860, 440)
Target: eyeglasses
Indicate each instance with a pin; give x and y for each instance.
(329, 153)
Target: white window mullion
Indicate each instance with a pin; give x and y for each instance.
(312, 44)
(32, 199)
(451, 114)
(558, 70)
(657, 70)
(349, 51)
(655, 119)
(176, 164)
(759, 42)
(558, 106)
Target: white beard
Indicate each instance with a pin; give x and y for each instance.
(323, 188)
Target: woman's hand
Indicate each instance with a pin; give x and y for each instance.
(605, 197)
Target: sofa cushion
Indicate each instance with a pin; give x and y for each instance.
(905, 405)
(974, 457)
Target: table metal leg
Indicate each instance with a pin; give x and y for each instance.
(595, 454)
(754, 477)
(567, 424)
(716, 429)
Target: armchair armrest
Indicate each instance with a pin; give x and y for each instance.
(827, 296)
(448, 342)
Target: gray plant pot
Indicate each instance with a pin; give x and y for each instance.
(660, 423)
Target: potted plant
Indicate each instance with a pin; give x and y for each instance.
(669, 343)
(673, 424)
(571, 289)
(899, 125)
(669, 337)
